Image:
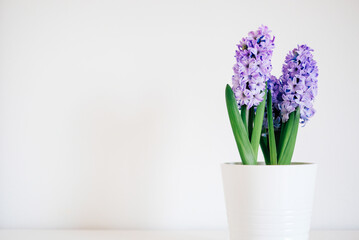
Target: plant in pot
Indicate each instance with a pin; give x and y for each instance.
(271, 200)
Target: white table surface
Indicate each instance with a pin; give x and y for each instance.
(148, 235)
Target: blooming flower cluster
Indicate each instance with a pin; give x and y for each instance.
(253, 67)
(289, 97)
(298, 84)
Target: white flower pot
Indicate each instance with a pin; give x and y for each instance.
(269, 202)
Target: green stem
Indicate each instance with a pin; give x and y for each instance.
(244, 116)
(271, 136)
(285, 134)
(250, 122)
(286, 158)
(265, 150)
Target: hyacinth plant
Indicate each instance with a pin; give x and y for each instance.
(265, 110)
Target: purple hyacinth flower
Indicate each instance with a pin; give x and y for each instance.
(299, 83)
(253, 67)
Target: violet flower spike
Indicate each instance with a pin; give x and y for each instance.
(253, 67)
(299, 83)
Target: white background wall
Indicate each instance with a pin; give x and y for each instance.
(112, 113)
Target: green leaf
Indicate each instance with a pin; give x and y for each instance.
(271, 136)
(239, 130)
(289, 149)
(258, 124)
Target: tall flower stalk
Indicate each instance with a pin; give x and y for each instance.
(251, 72)
(265, 110)
(290, 102)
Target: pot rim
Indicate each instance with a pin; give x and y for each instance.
(263, 165)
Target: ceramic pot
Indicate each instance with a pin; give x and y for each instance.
(269, 202)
